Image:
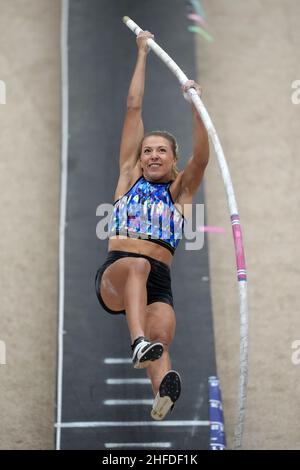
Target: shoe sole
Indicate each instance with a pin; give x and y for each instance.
(152, 354)
(169, 392)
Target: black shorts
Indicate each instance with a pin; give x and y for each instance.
(158, 282)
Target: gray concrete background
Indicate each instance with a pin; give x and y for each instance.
(246, 74)
(29, 214)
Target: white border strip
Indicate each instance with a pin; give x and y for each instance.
(150, 445)
(100, 424)
(117, 360)
(63, 203)
(127, 381)
(128, 402)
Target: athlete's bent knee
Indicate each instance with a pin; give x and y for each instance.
(139, 266)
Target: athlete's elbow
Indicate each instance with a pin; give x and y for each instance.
(134, 102)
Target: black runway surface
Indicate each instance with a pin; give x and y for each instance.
(102, 55)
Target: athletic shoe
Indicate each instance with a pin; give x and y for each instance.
(144, 352)
(168, 394)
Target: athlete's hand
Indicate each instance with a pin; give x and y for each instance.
(191, 84)
(141, 40)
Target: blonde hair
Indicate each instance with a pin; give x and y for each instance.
(174, 145)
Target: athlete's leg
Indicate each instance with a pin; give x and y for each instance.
(166, 383)
(160, 326)
(123, 286)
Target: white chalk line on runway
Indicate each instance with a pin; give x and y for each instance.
(100, 424)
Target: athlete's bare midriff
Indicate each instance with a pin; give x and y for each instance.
(142, 247)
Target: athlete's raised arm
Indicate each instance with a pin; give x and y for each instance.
(195, 167)
(133, 129)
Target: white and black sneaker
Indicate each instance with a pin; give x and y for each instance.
(168, 394)
(144, 352)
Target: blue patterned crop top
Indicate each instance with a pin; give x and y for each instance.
(147, 212)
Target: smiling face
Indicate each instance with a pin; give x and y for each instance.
(157, 159)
